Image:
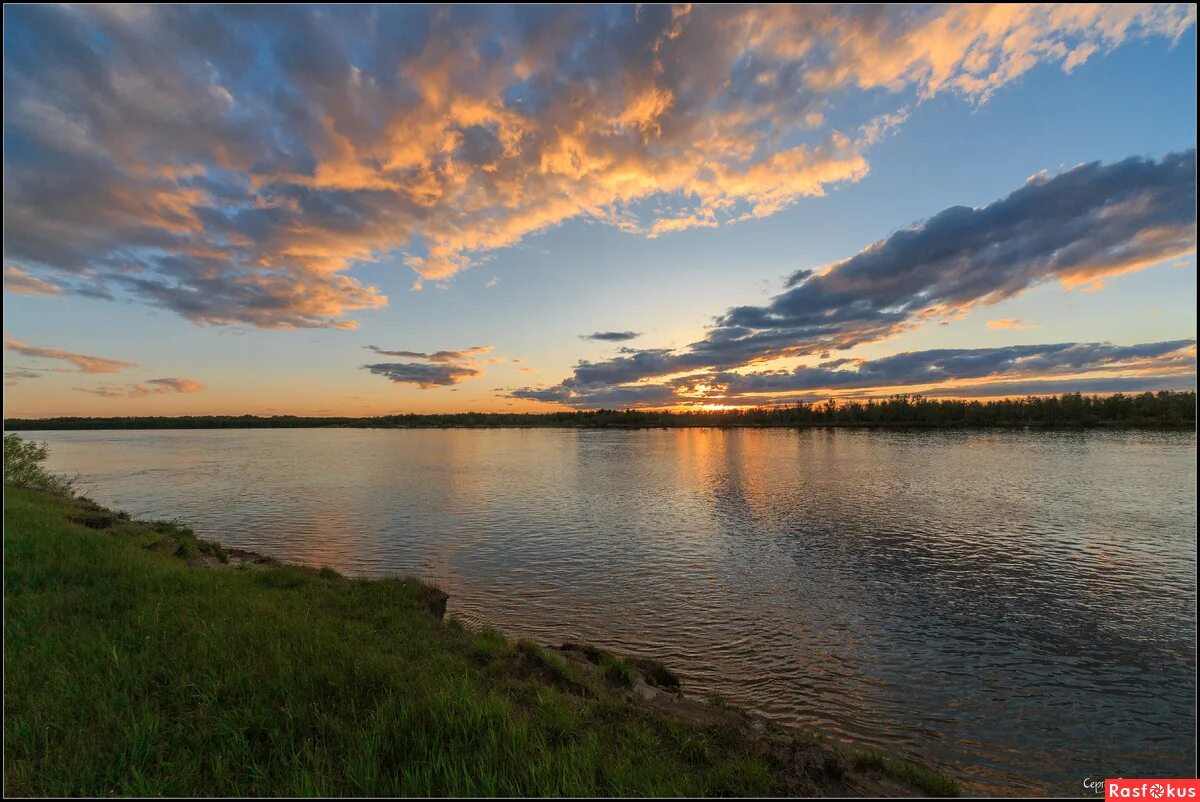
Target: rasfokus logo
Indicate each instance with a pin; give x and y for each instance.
(1152, 789)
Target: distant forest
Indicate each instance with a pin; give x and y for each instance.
(1166, 409)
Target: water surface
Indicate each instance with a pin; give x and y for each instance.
(1016, 607)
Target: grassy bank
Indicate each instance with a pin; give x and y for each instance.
(140, 661)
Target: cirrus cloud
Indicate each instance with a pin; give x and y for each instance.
(15, 377)
(19, 282)
(83, 362)
(150, 387)
(1009, 323)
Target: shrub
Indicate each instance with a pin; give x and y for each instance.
(23, 467)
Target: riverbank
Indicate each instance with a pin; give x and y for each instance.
(140, 660)
(1162, 410)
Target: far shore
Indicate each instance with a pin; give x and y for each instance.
(31, 426)
(1167, 410)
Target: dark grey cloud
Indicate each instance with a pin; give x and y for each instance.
(423, 375)
(647, 395)
(463, 355)
(1087, 223)
(611, 336)
(992, 371)
(444, 367)
(944, 365)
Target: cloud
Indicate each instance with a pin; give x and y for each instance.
(444, 368)
(84, 362)
(974, 49)
(150, 387)
(1108, 384)
(939, 366)
(1090, 222)
(236, 165)
(423, 375)
(642, 395)
(466, 354)
(611, 336)
(176, 385)
(1009, 323)
(19, 282)
(15, 377)
(1101, 367)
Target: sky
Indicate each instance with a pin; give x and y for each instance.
(360, 210)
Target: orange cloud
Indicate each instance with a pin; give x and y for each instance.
(161, 174)
(150, 387)
(1009, 323)
(19, 282)
(84, 362)
(974, 48)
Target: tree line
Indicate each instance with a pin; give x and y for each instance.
(1165, 409)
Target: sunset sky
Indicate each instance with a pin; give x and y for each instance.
(364, 210)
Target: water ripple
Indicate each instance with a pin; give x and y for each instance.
(1017, 607)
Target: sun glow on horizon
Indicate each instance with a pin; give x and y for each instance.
(570, 207)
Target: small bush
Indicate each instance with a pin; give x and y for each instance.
(23, 467)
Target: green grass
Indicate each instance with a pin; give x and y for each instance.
(621, 671)
(905, 771)
(129, 673)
